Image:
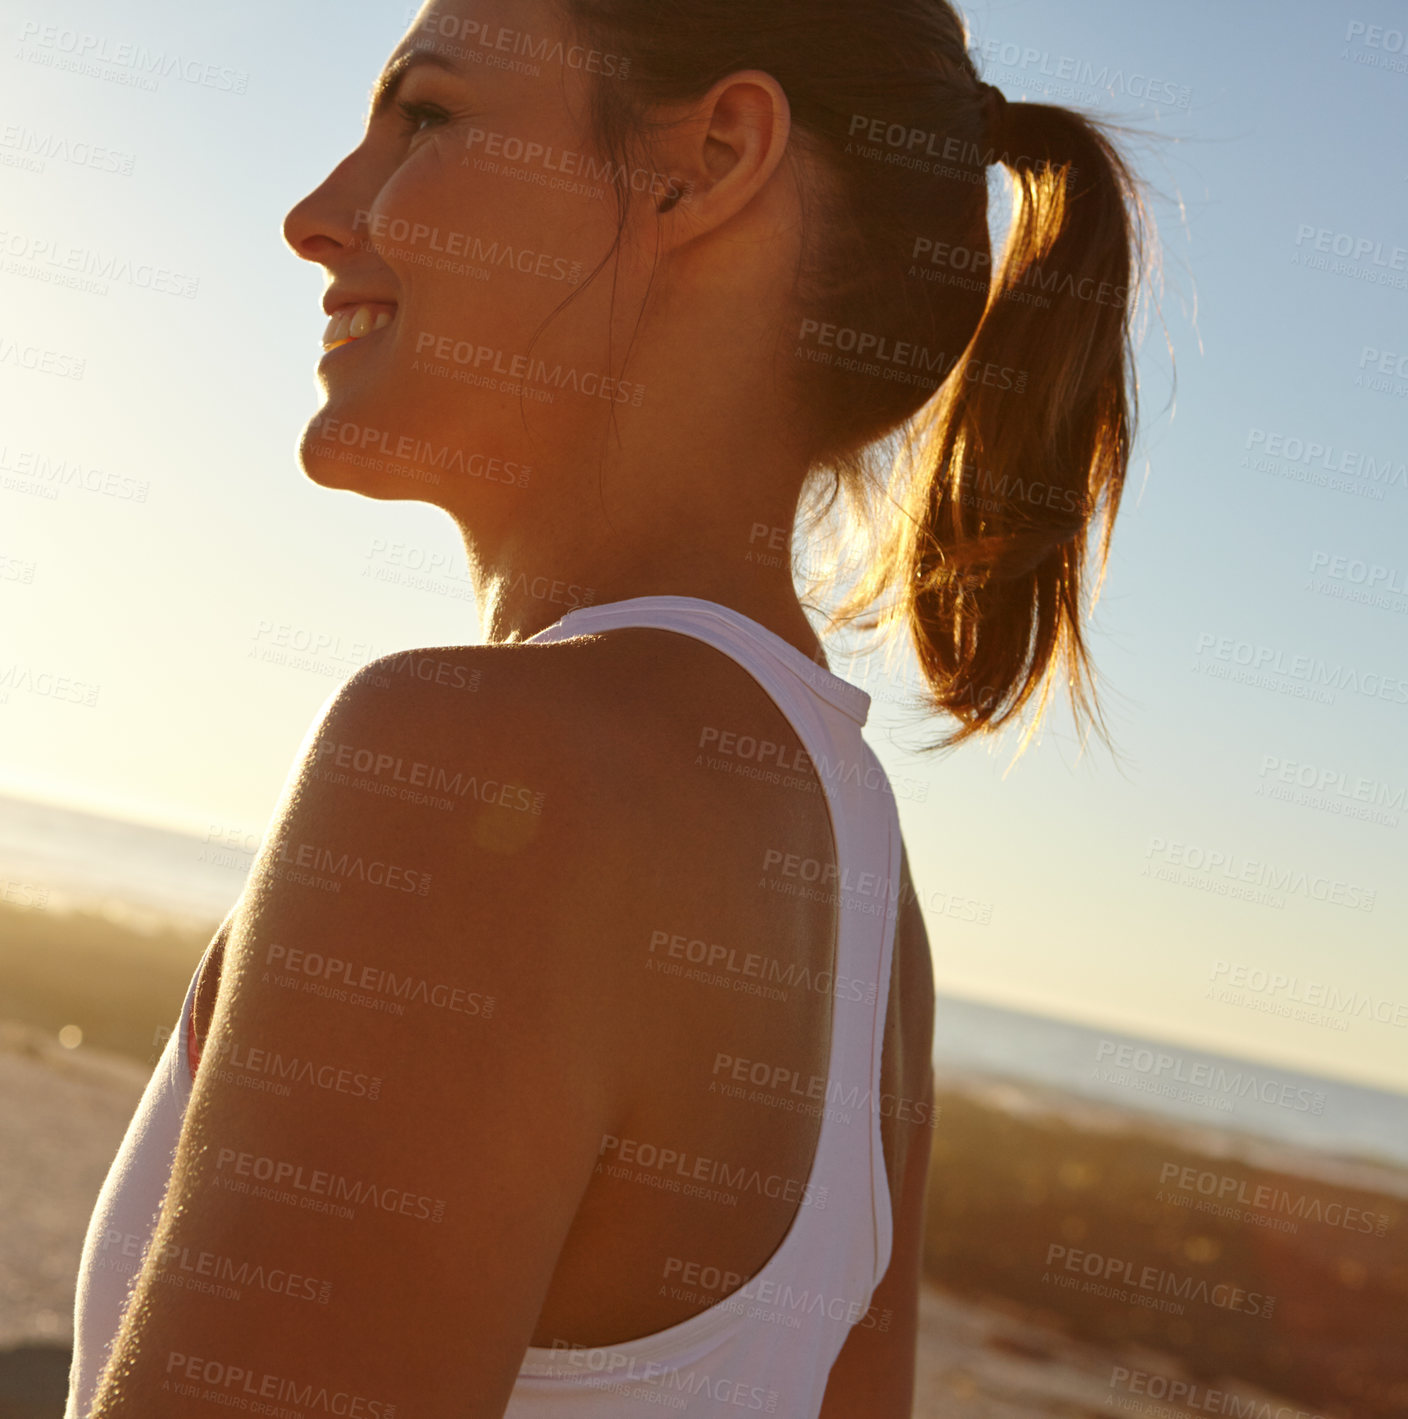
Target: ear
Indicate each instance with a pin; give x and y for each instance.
(720, 152)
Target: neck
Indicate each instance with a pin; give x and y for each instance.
(531, 576)
(693, 493)
(517, 606)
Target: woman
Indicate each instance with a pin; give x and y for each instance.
(568, 1051)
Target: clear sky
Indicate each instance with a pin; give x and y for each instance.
(1264, 519)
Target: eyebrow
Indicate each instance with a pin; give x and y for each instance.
(384, 90)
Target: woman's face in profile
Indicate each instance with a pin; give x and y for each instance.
(472, 208)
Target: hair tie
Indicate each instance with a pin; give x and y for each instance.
(995, 113)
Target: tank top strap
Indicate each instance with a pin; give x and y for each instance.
(721, 626)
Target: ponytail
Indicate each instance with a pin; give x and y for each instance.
(1028, 435)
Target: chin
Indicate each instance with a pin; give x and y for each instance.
(352, 456)
(352, 470)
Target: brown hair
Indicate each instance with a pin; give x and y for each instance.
(1000, 403)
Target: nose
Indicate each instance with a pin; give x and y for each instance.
(325, 221)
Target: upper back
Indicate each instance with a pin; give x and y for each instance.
(779, 1063)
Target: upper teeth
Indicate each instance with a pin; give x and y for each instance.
(351, 322)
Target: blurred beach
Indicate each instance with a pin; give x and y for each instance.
(1093, 1242)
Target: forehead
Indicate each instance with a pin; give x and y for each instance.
(474, 30)
(484, 40)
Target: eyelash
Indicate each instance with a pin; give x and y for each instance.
(416, 112)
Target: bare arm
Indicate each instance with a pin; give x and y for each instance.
(394, 1245)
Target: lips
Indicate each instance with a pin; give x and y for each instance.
(354, 319)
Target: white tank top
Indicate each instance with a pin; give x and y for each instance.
(768, 1346)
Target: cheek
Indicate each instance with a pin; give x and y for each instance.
(479, 244)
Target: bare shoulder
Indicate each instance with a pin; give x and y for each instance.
(479, 701)
(548, 765)
(527, 728)
(610, 711)
(423, 954)
(480, 789)
(557, 698)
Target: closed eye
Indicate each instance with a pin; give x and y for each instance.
(417, 113)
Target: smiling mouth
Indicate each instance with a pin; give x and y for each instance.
(353, 322)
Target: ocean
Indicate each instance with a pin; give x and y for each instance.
(61, 859)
